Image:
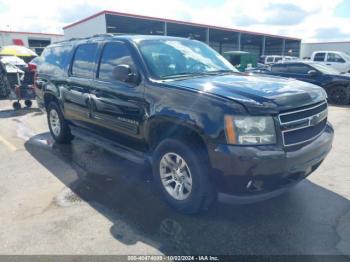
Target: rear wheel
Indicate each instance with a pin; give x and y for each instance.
(339, 95)
(58, 126)
(183, 176)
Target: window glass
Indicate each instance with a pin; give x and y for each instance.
(277, 59)
(171, 58)
(332, 57)
(269, 59)
(298, 69)
(83, 62)
(114, 54)
(54, 60)
(279, 68)
(319, 57)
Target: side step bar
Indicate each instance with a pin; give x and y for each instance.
(111, 146)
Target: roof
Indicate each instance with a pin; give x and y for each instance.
(29, 33)
(105, 12)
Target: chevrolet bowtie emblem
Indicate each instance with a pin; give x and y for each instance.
(314, 120)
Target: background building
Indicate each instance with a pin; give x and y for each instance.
(308, 48)
(221, 39)
(34, 41)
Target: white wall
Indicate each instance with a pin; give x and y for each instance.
(6, 38)
(93, 26)
(308, 48)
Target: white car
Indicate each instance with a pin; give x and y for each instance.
(274, 59)
(338, 60)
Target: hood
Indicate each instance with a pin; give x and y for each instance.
(272, 94)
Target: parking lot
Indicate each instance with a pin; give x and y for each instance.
(80, 199)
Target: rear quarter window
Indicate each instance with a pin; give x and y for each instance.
(55, 60)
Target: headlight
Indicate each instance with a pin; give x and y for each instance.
(250, 130)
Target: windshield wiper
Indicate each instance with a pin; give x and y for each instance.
(221, 72)
(184, 74)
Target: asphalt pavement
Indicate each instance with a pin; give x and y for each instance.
(80, 199)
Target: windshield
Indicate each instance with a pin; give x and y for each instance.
(181, 57)
(325, 69)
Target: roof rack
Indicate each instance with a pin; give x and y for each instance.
(86, 38)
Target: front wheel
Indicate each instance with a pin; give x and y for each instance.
(58, 126)
(28, 103)
(182, 174)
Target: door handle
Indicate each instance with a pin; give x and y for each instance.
(329, 64)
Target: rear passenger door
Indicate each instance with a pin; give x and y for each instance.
(117, 106)
(76, 94)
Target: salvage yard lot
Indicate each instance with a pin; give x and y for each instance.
(80, 199)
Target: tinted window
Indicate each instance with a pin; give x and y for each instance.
(298, 69)
(84, 58)
(277, 59)
(54, 60)
(319, 57)
(279, 69)
(262, 59)
(114, 54)
(269, 60)
(332, 57)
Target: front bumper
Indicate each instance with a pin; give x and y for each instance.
(248, 170)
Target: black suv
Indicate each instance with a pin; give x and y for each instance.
(179, 105)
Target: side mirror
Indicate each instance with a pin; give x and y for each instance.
(124, 73)
(312, 73)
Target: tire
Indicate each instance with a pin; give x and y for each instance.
(339, 95)
(58, 126)
(16, 105)
(194, 171)
(28, 103)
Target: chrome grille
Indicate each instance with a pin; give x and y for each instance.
(303, 125)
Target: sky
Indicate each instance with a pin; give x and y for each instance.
(310, 20)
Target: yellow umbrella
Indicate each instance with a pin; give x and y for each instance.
(17, 50)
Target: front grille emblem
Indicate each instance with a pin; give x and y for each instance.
(314, 120)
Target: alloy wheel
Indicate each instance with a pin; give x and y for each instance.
(55, 122)
(175, 176)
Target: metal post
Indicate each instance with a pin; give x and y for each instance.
(207, 39)
(239, 41)
(263, 45)
(165, 28)
(283, 46)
